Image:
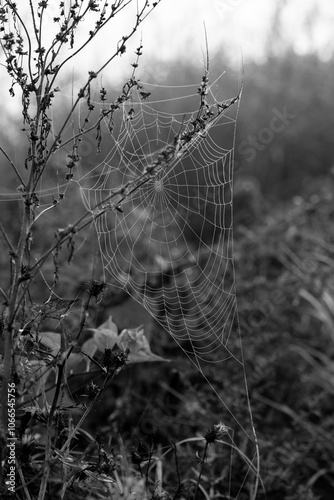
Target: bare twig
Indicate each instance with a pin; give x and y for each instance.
(13, 166)
(14, 9)
(5, 296)
(7, 240)
(23, 481)
(93, 74)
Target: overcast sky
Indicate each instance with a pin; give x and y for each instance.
(177, 25)
(238, 28)
(175, 29)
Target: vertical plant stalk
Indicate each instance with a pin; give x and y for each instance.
(107, 380)
(201, 469)
(50, 422)
(48, 454)
(8, 324)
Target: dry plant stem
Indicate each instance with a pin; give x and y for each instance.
(87, 411)
(179, 483)
(23, 481)
(253, 468)
(18, 259)
(7, 240)
(8, 322)
(256, 443)
(257, 474)
(37, 82)
(13, 166)
(5, 296)
(201, 469)
(149, 463)
(35, 175)
(26, 223)
(48, 444)
(158, 473)
(13, 8)
(92, 76)
(50, 423)
(118, 9)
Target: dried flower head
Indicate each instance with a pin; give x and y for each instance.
(215, 433)
(161, 495)
(114, 360)
(106, 463)
(95, 288)
(91, 390)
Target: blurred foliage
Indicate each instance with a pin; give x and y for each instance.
(285, 294)
(303, 85)
(285, 286)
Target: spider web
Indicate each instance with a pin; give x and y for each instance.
(161, 202)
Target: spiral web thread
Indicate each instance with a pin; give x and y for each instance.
(161, 202)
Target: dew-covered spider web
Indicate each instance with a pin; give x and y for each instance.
(161, 202)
